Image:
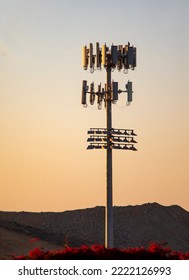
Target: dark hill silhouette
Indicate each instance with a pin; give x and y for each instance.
(134, 226)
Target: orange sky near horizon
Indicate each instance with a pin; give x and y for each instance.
(44, 164)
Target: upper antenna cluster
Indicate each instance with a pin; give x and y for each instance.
(122, 57)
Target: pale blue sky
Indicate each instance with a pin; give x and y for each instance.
(43, 158)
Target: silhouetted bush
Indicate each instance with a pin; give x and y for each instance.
(98, 252)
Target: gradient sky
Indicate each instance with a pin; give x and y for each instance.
(44, 164)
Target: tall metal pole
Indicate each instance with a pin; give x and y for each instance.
(122, 57)
(109, 198)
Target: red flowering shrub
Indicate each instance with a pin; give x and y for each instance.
(98, 252)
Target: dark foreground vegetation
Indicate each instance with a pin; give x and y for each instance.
(98, 252)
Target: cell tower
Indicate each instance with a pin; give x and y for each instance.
(120, 57)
